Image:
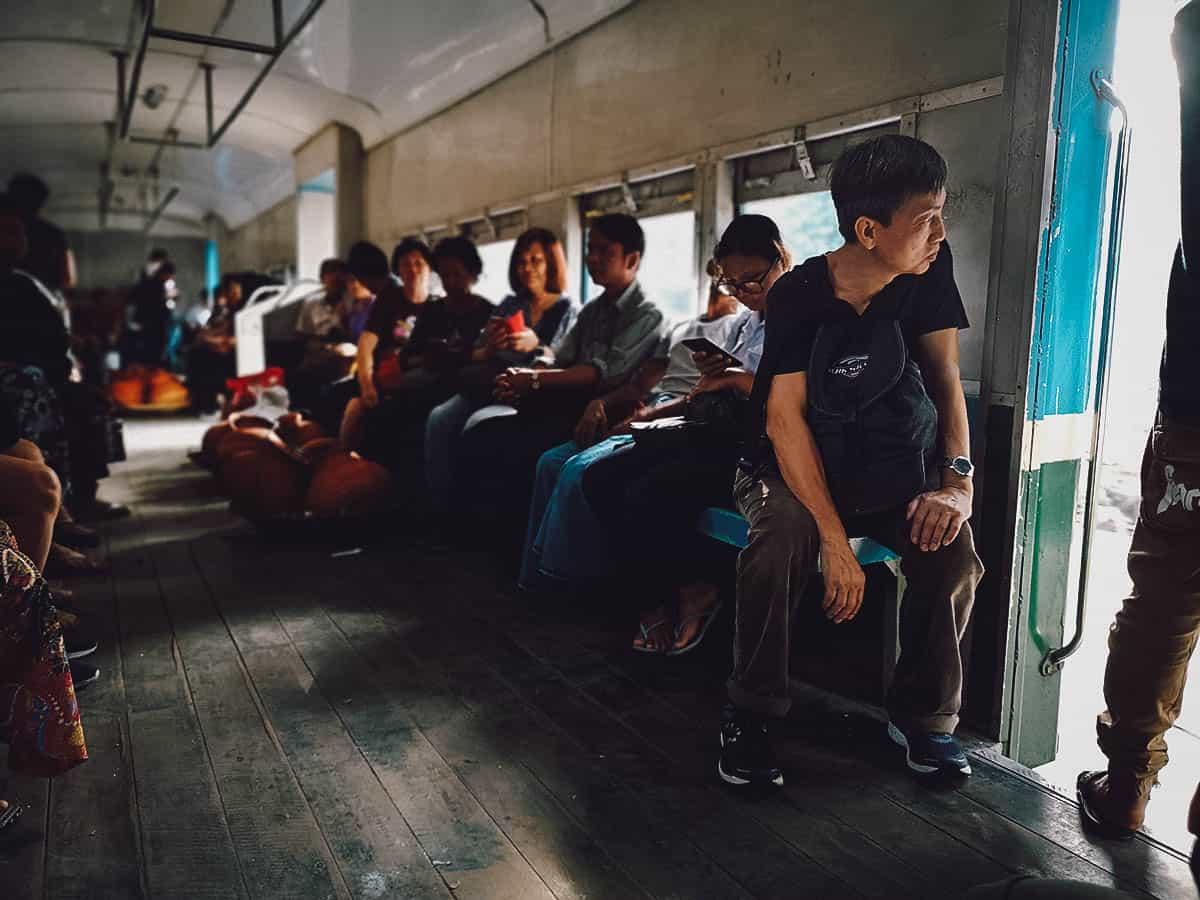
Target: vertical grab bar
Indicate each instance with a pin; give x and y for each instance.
(1053, 661)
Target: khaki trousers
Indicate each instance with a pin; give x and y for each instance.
(1151, 641)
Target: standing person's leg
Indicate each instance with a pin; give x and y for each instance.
(926, 692)
(1153, 637)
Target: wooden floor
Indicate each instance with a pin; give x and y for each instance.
(276, 722)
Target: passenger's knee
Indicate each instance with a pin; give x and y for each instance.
(46, 490)
(960, 558)
(26, 450)
(783, 524)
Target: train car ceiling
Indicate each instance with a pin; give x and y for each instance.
(377, 67)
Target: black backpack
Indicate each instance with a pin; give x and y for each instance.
(878, 440)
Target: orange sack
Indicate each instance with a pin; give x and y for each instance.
(347, 485)
(263, 481)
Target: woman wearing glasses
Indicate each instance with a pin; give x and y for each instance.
(648, 494)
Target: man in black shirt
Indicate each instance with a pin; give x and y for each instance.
(850, 442)
(1155, 631)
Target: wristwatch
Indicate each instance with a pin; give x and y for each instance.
(535, 381)
(960, 465)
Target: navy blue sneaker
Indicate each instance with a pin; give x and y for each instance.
(746, 754)
(929, 752)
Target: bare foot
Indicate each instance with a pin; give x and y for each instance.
(654, 632)
(697, 604)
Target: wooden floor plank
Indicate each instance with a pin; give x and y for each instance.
(329, 811)
(1136, 863)
(675, 867)
(23, 852)
(464, 842)
(281, 848)
(839, 811)
(482, 747)
(186, 841)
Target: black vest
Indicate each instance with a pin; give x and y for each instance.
(878, 438)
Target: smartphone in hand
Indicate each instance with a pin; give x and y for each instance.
(704, 345)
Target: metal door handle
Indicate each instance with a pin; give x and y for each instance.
(1053, 661)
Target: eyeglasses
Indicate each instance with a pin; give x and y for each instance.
(754, 285)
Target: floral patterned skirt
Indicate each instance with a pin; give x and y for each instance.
(38, 714)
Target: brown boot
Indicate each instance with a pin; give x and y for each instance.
(1112, 807)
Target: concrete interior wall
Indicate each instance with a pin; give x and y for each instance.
(108, 260)
(266, 243)
(662, 79)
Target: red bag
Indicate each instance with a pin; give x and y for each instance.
(239, 388)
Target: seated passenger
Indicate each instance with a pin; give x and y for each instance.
(323, 325)
(424, 372)
(849, 442)
(393, 312)
(652, 495)
(211, 360)
(564, 540)
(611, 338)
(537, 274)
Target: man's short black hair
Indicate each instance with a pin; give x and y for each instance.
(331, 266)
(621, 229)
(158, 254)
(876, 177)
(167, 268)
(462, 249)
(750, 235)
(28, 193)
(410, 245)
(365, 260)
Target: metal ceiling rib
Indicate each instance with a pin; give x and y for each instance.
(379, 66)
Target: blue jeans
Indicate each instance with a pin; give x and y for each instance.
(564, 539)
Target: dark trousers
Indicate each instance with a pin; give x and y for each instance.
(775, 567)
(1155, 631)
(649, 500)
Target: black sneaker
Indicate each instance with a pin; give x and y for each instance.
(746, 754)
(932, 751)
(78, 642)
(82, 675)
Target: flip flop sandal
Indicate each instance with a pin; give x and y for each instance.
(644, 632)
(709, 617)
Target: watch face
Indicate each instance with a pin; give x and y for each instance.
(962, 465)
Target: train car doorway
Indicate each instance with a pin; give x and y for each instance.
(1145, 77)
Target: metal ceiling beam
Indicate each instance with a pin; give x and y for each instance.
(162, 205)
(283, 40)
(305, 17)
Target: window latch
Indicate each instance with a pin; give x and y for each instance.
(804, 161)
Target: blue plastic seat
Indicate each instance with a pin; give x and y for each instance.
(730, 528)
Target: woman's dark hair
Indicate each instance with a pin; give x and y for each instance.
(365, 260)
(750, 235)
(876, 177)
(410, 245)
(462, 249)
(556, 260)
(621, 229)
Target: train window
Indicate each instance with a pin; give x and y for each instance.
(777, 183)
(663, 206)
(667, 275)
(493, 284)
(808, 222)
